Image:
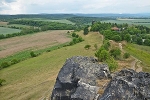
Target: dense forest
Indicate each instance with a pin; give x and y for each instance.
(87, 20)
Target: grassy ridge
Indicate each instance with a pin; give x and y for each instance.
(34, 78)
(140, 53)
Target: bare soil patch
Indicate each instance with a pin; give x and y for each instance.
(34, 41)
(3, 23)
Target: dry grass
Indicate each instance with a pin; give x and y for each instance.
(3, 23)
(123, 63)
(34, 41)
(33, 79)
(102, 85)
(126, 63)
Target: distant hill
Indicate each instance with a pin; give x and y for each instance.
(65, 16)
(140, 15)
(47, 16)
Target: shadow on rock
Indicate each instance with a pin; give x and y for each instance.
(77, 80)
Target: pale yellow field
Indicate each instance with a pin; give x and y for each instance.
(34, 41)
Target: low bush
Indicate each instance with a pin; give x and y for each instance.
(126, 55)
(95, 45)
(14, 61)
(87, 46)
(113, 65)
(32, 54)
(115, 52)
(2, 81)
(48, 51)
(5, 64)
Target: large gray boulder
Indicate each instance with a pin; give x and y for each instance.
(77, 79)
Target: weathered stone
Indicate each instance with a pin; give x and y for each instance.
(77, 79)
(128, 85)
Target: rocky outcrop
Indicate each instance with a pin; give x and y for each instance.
(77, 80)
(128, 85)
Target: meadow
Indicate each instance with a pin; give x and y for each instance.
(144, 22)
(140, 52)
(34, 78)
(4, 30)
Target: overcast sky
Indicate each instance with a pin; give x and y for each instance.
(73, 6)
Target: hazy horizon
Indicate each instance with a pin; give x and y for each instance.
(74, 7)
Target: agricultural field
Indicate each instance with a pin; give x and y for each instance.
(5, 31)
(32, 41)
(18, 25)
(3, 23)
(43, 69)
(144, 22)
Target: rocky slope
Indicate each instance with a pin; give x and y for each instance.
(77, 80)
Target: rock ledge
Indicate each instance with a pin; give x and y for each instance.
(77, 80)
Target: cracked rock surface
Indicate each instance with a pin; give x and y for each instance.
(77, 81)
(128, 85)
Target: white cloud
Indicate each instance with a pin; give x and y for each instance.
(74, 6)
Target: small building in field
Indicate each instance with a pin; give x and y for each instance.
(115, 29)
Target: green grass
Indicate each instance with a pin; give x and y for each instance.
(5, 31)
(18, 25)
(34, 78)
(23, 55)
(130, 21)
(140, 52)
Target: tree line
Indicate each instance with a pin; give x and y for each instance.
(87, 20)
(45, 25)
(38, 26)
(135, 33)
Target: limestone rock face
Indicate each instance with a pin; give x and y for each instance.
(77, 79)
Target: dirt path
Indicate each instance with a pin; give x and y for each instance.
(135, 64)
